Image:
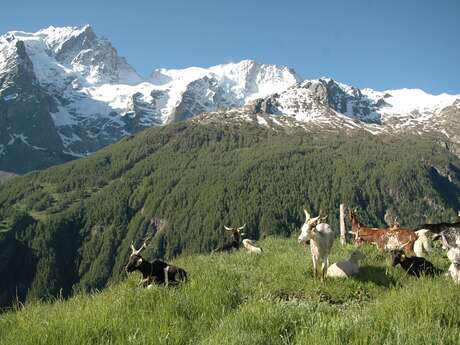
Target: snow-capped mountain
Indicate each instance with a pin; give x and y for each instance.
(65, 92)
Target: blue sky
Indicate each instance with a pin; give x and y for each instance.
(378, 44)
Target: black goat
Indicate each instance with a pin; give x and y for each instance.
(157, 271)
(235, 244)
(413, 265)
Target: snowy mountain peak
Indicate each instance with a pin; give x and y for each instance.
(77, 53)
(87, 96)
(55, 37)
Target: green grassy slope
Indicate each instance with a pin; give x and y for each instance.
(69, 227)
(245, 299)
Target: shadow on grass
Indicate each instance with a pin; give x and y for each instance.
(376, 275)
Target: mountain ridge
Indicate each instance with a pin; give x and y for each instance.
(80, 95)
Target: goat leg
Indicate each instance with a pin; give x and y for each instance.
(166, 271)
(315, 262)
(324, 266)
(144, 282)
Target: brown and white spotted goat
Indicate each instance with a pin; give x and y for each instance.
(157, 271)
(394, 238)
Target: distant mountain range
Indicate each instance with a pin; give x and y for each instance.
(65, 93)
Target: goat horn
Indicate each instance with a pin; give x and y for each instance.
(227, 228)
(315, 219)
(242, 227)
(132, 248)
(307, 215)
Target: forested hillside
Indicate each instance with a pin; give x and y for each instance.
(69, 227)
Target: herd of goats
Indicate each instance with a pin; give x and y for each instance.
(407, 248)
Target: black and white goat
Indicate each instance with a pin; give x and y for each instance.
(413, 265)
(157, 271)
(449, 233)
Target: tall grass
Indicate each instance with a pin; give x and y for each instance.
(245, 299)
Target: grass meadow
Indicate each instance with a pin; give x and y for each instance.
(240, 298)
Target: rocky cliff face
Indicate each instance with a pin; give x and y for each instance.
(28, 136)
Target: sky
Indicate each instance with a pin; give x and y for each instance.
(383, 45)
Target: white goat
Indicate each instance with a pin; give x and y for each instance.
(422, 244)
(454, 269)
(347, 268)
(250, 246)
(320, 236)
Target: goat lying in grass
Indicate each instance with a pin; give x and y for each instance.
(343, 269)
(157, 271)
(235, 243)
(413, 265)
(250, 246)
(454, 269)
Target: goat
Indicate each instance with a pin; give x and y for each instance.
(450, 238)
(385, 239)
(344, 269)
(235, 244)
(439, 227)
(251, 247)
(157, 271)
(423, 242)
(320, 236)
(454, 269)
(413, 265)
(449, 232)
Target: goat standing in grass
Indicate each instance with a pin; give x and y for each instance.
(449, 232)
(450, 238)
(344, 269)
(320, 236)
(423, 242)
(385, 239)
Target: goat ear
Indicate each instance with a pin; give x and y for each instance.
(139, 262)
(242, 234)
(307, 215)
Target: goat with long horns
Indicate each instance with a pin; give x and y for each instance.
(157, 271)
(235, 243)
